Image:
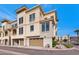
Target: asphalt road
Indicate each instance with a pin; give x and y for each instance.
(7, 52)
(4, 53)
(28, 51)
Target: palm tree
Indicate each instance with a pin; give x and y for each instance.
(77, 32)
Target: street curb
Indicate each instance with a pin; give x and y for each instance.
(44, 48)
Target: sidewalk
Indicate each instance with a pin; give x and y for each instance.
(41, 48)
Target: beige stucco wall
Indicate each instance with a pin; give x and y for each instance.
(53, 28)
(22, 14)
(35, 23)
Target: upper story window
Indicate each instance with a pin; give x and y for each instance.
(20, 20)
(14, 25)
(45, 26)
(21, 30)
(32, 17)
(32, 28)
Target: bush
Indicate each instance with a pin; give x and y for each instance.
(68, 45)
(54, 43)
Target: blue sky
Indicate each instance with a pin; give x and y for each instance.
(67, 14)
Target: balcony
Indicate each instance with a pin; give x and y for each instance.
(46, 19)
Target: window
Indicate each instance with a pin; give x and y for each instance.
(21, 20)
(32, 28)
(21, 30)
(14, 25)
(45, 26)
(32, 17)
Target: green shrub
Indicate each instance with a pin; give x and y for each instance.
(54, 43)
(68, 45)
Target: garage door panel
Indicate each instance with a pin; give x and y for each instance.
(36, 42)
(22, 42)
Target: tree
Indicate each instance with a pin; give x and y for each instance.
(77, 32)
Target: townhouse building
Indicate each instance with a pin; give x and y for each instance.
(32, 28)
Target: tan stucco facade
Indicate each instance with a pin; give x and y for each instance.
(29, 38)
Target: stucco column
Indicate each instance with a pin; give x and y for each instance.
(51, 25)
(11, 38)
(47, 42)
(11, 42)
(8, 38)
(19, 42)
(27, 42)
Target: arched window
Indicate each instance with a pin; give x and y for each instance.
(14, 31)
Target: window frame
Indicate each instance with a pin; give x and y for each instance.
(21, 30)
(14, 25)
(21, 20)
(31, 28)
(45, 26)
(32, 17)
